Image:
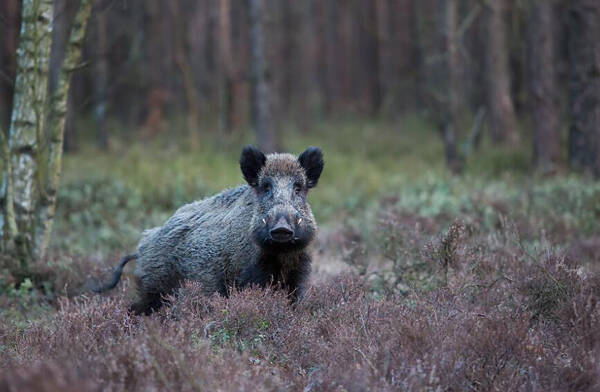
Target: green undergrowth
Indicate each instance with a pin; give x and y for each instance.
(108, 198)
(385, 182)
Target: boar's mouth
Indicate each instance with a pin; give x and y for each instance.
(276, 245)
(282, 232)
(282, 237)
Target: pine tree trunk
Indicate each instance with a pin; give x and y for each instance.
(328, 44)
(502, 120)
(27, 124)
(55, 131)
(261, 105)
(370, 52)
(226, 94)
(189, 81)
(453, 104)
(544, 109)
(308, 84)
(289, 50)
(100, 81)
(584, 86)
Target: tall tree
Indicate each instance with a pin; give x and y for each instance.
(307, 86)
(226, 82)
(183, 63)
(542, 93)
(55, 131)
(501, 112)
(584, 86)
(288, 52)
(32, 173)
(64, 10)
(101, 80)
(370, 52)
(327, 50)
(452, 102)
(26, 127)
(262, 116)
(400, 50)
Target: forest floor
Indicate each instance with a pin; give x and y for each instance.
(422, 280)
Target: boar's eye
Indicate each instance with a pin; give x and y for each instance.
(297, 188)
(267, 187)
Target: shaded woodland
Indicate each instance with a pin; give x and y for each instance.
(520, 71)
(459, 240)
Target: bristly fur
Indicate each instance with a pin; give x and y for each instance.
(225, 241)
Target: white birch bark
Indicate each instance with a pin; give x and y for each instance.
(56, 130)
(27, 120)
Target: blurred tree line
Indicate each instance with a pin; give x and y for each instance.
(525, 71)
(502, 66)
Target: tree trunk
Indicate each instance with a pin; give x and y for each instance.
(64, 12)
(288, 50)
(370, 43)
(424, 14)
(100, 81)
(262, 115)
(400, 63)
(502, 120)
(308, 85)
(226, 94)
(56, 127)
(328, 43)
(189, 82)
(27, 124)
(8, 221)
(542, 93)
(453, 104)
(584, 86)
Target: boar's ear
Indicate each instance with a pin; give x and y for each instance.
(312, 162)
(251, 161)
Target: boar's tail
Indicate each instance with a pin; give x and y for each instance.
(116, 275)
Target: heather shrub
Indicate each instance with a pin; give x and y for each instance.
(455, 283)
(339, 336)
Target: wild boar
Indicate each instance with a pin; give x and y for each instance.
(257, 233)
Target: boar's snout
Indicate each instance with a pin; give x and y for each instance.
(281, 231)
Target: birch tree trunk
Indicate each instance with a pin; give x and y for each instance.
(26, 127)
(56, 130)
(32, 172)
(8, 222)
